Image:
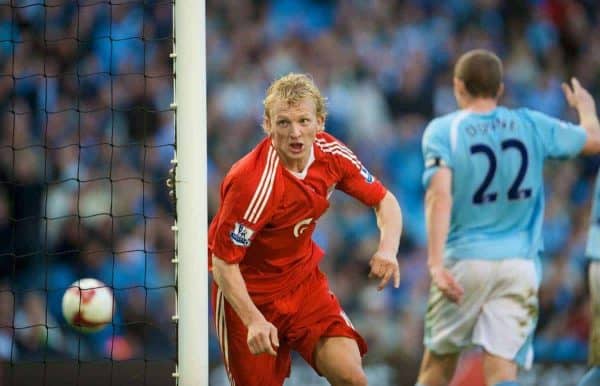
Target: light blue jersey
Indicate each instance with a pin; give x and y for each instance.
(592, 249)
(497, 161)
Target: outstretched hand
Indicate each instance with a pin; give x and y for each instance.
(384, 267)
(578, 97)
(446, 283)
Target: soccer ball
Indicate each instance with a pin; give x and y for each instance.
(88, 305)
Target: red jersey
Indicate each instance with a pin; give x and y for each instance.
(268, 214)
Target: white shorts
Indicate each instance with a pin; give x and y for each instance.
(594, 278)
(498, 311)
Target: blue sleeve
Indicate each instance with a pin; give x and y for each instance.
(560, 139)
(593, 243)
(436, 150)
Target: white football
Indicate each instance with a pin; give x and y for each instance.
(88, 305)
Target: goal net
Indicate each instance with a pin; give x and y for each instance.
(87, 135)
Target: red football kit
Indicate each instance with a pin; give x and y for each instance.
(264, 224)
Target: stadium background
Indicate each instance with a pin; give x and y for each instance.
(81, 210)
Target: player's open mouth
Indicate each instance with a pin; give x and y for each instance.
(296, 147)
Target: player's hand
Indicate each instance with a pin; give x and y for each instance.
(384, 267)
(578, 97)
(262, 338)
(445, 282)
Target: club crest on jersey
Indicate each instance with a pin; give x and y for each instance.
(300, 227)
(241, 235)
(365, 173)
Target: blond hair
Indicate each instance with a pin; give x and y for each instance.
(292, 88)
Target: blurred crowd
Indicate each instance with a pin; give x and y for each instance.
(87, 135)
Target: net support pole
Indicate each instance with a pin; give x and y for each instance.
(191, 228)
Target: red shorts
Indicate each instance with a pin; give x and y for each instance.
(302, 317)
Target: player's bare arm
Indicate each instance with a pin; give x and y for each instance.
(438, 206)
(262, 335)
(582, 101)
(384, 264)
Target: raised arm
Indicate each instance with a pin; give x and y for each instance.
(438, 207)
(262, 335)
(582, 101)
(384, 264)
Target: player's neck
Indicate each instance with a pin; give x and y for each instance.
(481, 105)
(295, 166)
(299, 166)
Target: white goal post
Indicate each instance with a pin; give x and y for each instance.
(189, 55)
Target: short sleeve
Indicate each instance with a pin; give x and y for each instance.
(436, 150)
(240, 217)
(560, 139)
(357, 181)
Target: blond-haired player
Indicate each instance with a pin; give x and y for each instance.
(269, 296)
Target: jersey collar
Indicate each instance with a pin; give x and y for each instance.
(311, 158)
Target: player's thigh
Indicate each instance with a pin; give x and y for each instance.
(243, 367)
(319, 316)
(448, 325)
(594, 280)
(339, 360)
(508, 318)
(437, 370)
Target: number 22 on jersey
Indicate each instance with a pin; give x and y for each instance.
(515, 191)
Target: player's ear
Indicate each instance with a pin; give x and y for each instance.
(459, 91)
(266, 125)
(500, 91)
(459, 86)
(320, 123)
